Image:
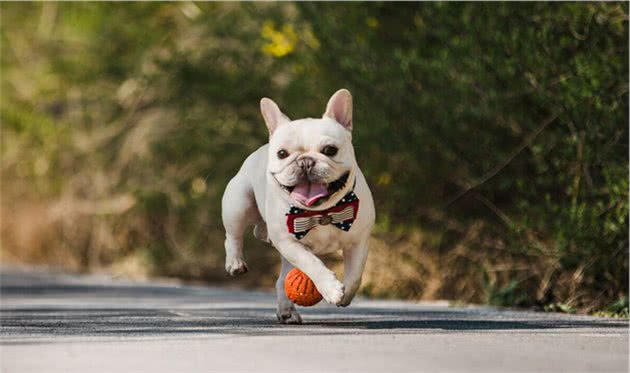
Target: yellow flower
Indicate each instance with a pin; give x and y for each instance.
(279, 42)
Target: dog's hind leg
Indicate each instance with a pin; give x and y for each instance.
(287, 314)
(238, 211)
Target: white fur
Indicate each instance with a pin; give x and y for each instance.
(255, 197)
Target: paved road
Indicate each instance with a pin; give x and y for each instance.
(64, 323)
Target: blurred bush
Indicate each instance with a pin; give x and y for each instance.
(494, 136)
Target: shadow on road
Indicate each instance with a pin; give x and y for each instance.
(46, 306)
(260, 321)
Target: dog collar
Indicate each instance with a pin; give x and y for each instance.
(341, 215)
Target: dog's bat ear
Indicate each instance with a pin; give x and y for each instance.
(272, 114)
(339, 108)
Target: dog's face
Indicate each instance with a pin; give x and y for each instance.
(312, 160)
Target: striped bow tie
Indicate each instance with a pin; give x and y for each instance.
(341, 215)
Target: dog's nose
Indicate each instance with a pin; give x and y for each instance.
(306, 163)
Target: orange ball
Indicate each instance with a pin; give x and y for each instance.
(301, 289)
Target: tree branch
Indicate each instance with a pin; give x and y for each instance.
(494, 171)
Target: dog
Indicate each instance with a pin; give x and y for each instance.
(307, 197)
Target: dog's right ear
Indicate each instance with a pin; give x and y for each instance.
(272, 115)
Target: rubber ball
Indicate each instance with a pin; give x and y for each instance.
(300, 289)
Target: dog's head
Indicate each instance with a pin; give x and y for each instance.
(312, 160)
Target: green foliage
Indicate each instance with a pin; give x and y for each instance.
(504, 296)
(456, 89)
(498, 130)
(559, 307)
(617, 309)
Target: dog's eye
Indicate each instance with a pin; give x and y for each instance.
(329, 150)
(282, 154)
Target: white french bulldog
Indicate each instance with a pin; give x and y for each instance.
(306, 195)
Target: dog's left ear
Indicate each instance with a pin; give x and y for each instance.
(339, 108)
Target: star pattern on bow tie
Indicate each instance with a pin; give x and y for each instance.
(341, 215)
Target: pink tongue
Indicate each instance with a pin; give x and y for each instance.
(307, 193)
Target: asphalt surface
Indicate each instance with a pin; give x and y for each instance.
(67, 323)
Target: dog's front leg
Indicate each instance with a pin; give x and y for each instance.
(299, 256)
(354, 258)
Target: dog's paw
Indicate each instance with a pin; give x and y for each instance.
(235, 266)
(288, 316)
(348, 295)
(345, 301)
(332, 291)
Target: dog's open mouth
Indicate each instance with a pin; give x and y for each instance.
(313, 194)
